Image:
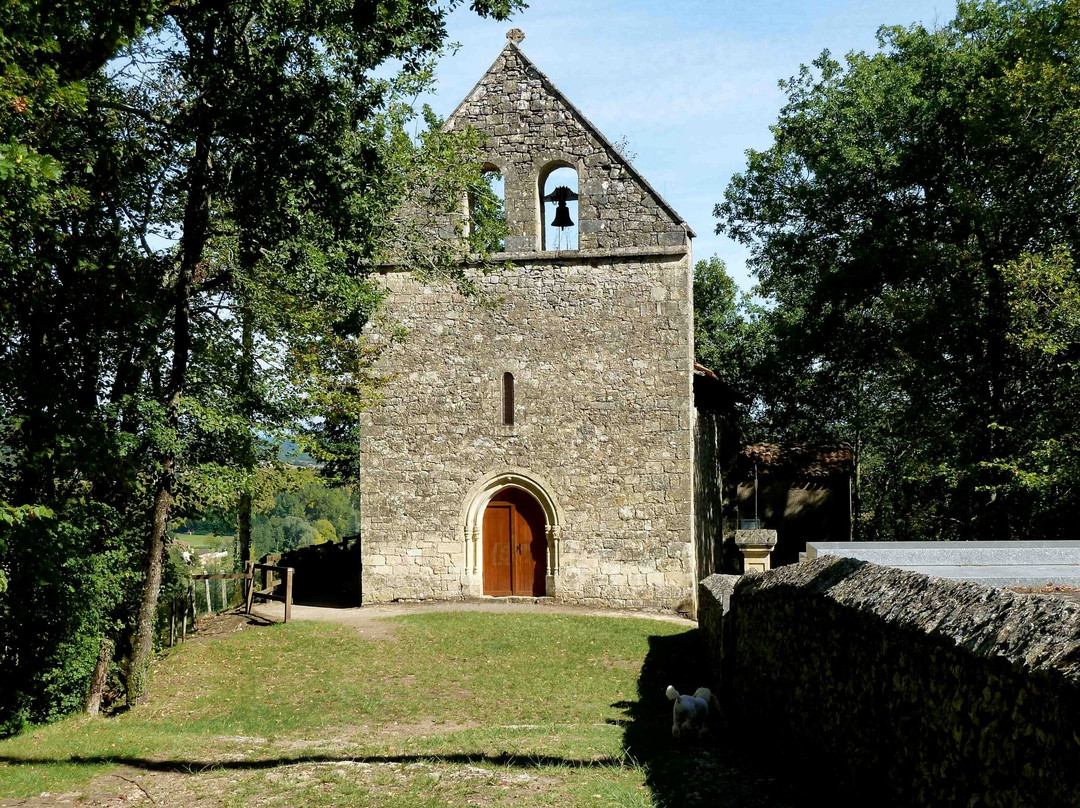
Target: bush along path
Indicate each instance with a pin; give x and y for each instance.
(509, 706)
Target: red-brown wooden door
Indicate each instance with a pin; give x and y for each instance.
(515, 545)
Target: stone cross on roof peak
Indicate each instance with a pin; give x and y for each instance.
(515, 35)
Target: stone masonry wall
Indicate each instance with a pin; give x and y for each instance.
(905, 689)
(599, 341)
(601, 356)
(531, 129)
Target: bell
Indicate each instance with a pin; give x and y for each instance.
(562, 216)
(561, 195)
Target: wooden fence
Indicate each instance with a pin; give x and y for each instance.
(270, 584)
(226, 598)
(202, 591)
(179, 609)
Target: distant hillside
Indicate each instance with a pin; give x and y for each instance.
(290, 453)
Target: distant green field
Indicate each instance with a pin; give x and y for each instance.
(205, 541)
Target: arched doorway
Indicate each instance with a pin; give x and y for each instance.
(515, 545)
(474, 510)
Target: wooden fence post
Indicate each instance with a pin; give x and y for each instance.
(209, 603)
(249, 570)
(288, 593)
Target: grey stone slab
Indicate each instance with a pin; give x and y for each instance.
(997, 553)
(1024, 563)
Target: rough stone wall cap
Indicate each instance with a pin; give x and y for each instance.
(1027, 631)
(755, 538)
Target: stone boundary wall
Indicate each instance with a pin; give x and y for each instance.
(899, 688)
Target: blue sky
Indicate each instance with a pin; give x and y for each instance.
(691, 84)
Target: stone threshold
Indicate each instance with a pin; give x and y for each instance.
(542, 600)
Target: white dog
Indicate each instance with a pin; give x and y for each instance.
(690, 714)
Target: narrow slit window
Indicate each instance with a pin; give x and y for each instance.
(508, 399)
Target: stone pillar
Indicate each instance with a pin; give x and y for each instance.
(756, 546)
(553, 561)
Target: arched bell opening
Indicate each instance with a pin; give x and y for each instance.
(558, 187)
(486, 220)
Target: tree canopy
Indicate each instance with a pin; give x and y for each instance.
(914, 227)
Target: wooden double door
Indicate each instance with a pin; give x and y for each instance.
(515, 545)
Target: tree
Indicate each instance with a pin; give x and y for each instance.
(77, 306)
(287, 161)
(899, 188)
(1044, 301)
(195, 173)
(324, 531)
(723, 326)
(487, 216)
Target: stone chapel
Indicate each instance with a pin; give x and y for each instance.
(542, 447)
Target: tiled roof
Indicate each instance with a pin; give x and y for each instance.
(713, 394)
(804, 460)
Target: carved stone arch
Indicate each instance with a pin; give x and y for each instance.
(485, 489)
(550, 162)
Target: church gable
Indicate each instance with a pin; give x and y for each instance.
(532, 130)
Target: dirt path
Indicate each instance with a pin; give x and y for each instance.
(372, 621)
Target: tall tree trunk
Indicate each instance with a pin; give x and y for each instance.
(243, 527)
(247, 366)
(100, 678)
(855, 529)
(855, 481)
(192, 246)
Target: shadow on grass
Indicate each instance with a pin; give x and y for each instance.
(714, 772)
(193, 766)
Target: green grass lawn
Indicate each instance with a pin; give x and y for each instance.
(458, 708)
